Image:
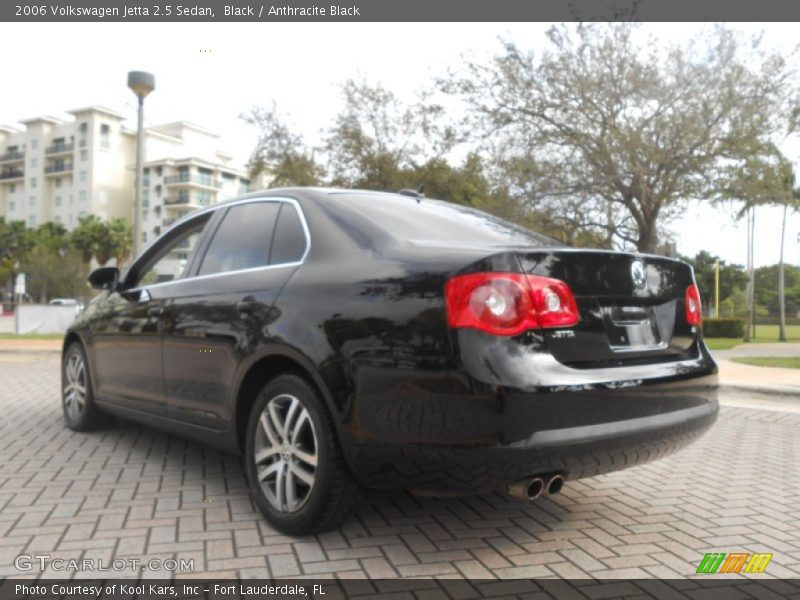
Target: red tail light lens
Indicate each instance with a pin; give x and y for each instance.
(694, 313)
(508, 303)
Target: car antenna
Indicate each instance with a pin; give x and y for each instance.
(417, 193)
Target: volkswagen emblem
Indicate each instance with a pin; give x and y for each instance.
(638, 274)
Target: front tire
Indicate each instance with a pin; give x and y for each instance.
(297, 475)
(77, 398)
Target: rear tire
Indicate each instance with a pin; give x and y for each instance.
(297, 475)
(77, 398)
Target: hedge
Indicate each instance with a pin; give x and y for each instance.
(723, 328)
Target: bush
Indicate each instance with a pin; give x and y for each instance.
(723, 328)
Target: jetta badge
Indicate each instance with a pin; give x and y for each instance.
(638, 274)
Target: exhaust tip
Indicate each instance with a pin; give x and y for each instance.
(527, 489)
(554, 485)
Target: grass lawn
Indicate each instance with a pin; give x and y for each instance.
(764, 334)
(784, 362)
(32, 336)
(722, 343)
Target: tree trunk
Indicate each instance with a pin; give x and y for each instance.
(781, 292)
(648, 238)
(748, 293)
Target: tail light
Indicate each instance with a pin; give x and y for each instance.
(694, 313)
(508, 303)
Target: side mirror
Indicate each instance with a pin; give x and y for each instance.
(105, 278)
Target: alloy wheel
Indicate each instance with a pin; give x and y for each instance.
(75, 386)
(285, 453)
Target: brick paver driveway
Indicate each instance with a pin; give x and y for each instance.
(131, 492)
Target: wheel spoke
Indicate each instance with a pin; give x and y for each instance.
(306, 457)
(266, 453)
(273, 468)
(298, 426)
(302, 474)
(275, 419)
(267, 427)
(280, 485)
(287, 424)
(291, 498)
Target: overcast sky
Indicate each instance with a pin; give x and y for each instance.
(210, 73)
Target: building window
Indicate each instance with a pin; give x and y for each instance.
(33, 182)
(58, 181)
(82, 214)
(70, 220)
(84, 128)
(12, 188)
(144, 237)
(12, 206)
(82, 196)
(57, 219)
(83, 175)
(32, 201)
(70, 199)
(105, 136)
(31, 221)
(34, 144)
(159, 170)
(34, 162)
(84, 154)
(144, 214)
(58, 201)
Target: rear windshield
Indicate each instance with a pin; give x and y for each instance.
(428, 220)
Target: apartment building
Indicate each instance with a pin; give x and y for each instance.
(61, 170)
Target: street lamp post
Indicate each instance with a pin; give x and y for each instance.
(141, 83)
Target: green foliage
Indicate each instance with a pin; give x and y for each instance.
(15, 241)
(723, 328)
(766, 290)
(102, 240)
(50, 273)
(732, 278)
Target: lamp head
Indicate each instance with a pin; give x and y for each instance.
(141, 82)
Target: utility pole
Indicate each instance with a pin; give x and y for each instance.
(716, 289)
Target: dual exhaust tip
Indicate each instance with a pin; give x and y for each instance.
(531, 488)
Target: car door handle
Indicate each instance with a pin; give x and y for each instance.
(155, 311)
(247, 305)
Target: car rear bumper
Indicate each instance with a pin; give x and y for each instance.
(418, 437)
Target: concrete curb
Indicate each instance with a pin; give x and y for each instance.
(775, 391)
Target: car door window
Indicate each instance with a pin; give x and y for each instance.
(242, 240)
(289, 241)
(172, 260)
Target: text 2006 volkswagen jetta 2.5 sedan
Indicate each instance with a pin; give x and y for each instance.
(343, 338)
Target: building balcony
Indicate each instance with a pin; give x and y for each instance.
(193, 180)
(55, 169)
(181, 201)
(12, 175)
(59, 149)
(15, 156)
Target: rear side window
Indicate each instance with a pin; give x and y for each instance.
(289, 241)
(243, 239)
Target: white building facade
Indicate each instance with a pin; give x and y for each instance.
(53, 170)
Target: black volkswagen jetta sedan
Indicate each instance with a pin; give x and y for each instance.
(343, 338)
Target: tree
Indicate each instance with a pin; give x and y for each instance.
(376, 138)
(626, 129)
(732, 277)
(102, 240)
(760, 181)
(15, 242)
(51, 274)
(281, 154)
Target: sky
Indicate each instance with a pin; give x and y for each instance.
(211, 73)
